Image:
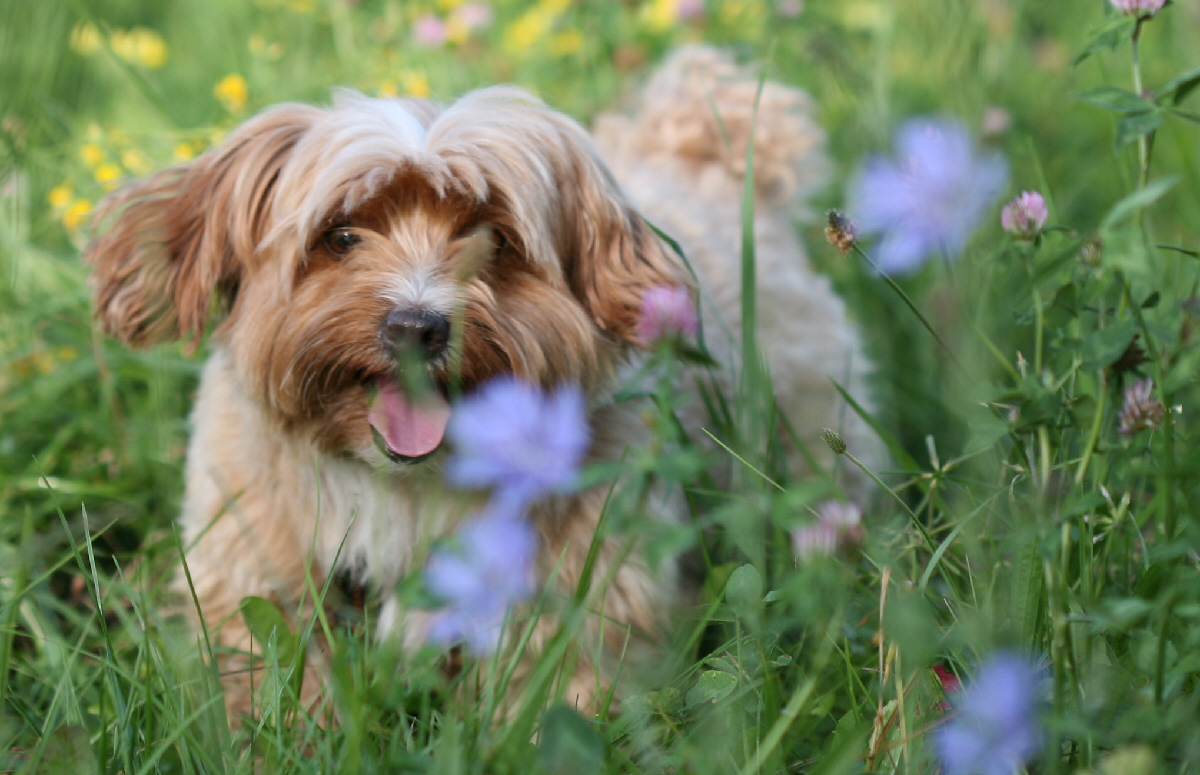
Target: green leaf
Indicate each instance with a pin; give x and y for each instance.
(1179, 87)
(1153, 191)
(744, 592)
(570, 746)
(266, 621)
(1183, 371)
(69, 749)
(712, 686)
(986, 429)
(1026, 596)
(1104, 346)
(1120, 614)
(1064, 308)
(1108, 38)
(1112, 98)
(1137, 125)
(1125, 250)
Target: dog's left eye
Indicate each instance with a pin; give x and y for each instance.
(341, 240)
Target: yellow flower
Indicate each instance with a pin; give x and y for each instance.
(92, 154)
(59, 195)
(260, 46)
(457, 32)
(76, 213)
(566, 43)
(107, 173)
(448, 5)
(388, 89)
(660, 15)
(231, 91)
(135, 161)
(123, 45)
(527, 30)
(149, 49)
(86, 39)
(183, 152)
(414, 83)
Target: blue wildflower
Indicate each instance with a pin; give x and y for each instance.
(930, 197)
(996, 729)
(491, 571)
(513, 437)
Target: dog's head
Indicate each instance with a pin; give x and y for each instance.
(370, 258)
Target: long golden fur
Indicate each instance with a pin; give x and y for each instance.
(309, 226)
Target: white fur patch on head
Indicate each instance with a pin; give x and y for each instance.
(345, 158)
(423, 288)
(499, 145)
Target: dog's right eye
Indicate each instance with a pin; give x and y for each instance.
(341, 240)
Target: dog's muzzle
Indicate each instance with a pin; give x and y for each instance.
(418, 333)
(408, 414)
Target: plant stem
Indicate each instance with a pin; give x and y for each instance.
(1094, 432)
(1143, 142)
(909, 303)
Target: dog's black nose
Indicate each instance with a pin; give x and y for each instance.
(425, 333)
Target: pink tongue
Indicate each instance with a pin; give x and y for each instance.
(410, 428)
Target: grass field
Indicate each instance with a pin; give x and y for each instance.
(1032, 518)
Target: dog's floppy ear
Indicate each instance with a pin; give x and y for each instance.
(541, 168)
(611, 256)
(165, 245)
(616, 256)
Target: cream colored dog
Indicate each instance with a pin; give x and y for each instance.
(331, 238)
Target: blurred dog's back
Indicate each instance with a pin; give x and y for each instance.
(680, 155)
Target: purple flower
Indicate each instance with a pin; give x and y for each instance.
(1024, 216)
(930, 197)
(1140, 411)
(668, 312)
(1145, 8)
(996, 729)
(429, 30)
(491, 571)
(523, 442)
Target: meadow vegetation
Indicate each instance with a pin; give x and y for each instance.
(1034, 540)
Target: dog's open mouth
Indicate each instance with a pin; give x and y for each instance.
(407, 428)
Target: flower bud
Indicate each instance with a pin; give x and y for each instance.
(834, 440)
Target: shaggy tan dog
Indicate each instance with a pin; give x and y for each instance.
(327, 240)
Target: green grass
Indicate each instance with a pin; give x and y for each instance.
(1022, 519)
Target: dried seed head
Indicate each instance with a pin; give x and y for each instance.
(841, 231)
